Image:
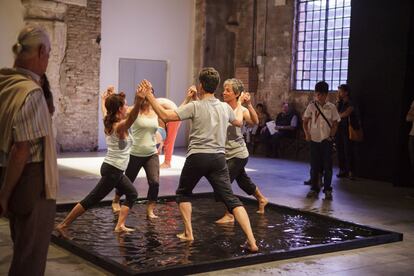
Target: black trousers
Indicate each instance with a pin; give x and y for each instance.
(151, 166)
(212, 166)
(344, 148)
(31, 230)
(238, 173)
(321, 161)
(111, 178)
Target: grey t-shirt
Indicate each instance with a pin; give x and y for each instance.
(210, 119)
(235, 145)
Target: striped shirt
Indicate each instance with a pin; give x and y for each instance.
(30, 124)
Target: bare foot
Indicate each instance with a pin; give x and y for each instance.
(165, 166)
(150, 210)
(116, 207)
(251, 247)
(123, 228)
(183, 236)
(62, 231)
(151, 215)
(227, 218)
(262, 204)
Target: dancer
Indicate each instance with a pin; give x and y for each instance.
(236, 151)
(118, 140)
(205, 155)
(144, 153)
(160, 136)
(172, 130)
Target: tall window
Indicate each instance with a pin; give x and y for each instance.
(322, 36)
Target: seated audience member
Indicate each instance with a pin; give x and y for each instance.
(286, 124)
(259, 132)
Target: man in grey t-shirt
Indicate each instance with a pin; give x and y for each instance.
(205, 155)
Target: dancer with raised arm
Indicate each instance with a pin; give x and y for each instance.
(205, 155)
(144, 153)
(119, 141)
(172, 130)
(237, 154)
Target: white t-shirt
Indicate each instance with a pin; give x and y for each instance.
(318, 127)
(210, 118)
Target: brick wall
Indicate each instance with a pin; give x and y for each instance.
(270, 48)
(77, 120)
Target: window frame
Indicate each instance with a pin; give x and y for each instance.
(307, 58)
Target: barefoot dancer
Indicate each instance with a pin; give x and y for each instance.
(144, 153)
(205, 156)
(172, 130)
(236, 150)
(118, 140)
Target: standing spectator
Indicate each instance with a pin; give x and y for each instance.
(27, 153)
(286, 123)
(344, 146)
(320, 124)
(410, 118)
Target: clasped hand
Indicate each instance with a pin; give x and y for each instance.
(144, 89)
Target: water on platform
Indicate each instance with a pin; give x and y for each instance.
(154, 243)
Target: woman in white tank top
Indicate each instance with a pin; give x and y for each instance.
(144, 153)
(117, 122)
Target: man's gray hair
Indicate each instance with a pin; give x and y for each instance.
(29, 39)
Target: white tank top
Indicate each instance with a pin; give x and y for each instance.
(118, 151)
(143, 134)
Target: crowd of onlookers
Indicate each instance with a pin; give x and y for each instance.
(325, 125)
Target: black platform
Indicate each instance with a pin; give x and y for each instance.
(153, 248)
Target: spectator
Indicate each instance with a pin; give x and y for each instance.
(286, 123)
(320, 124)
(259, 132)
(344, 146)
(410, 118)
(27, 153)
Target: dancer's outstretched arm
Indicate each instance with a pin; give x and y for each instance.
(164, 114)
(124, 125)
(191, 95)
(108, 92)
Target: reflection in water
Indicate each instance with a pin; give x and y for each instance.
(154, 243)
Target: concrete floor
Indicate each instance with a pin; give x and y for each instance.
(362, 201)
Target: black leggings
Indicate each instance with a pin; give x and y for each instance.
(111, 178)
(151, 166)
(238, 173)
